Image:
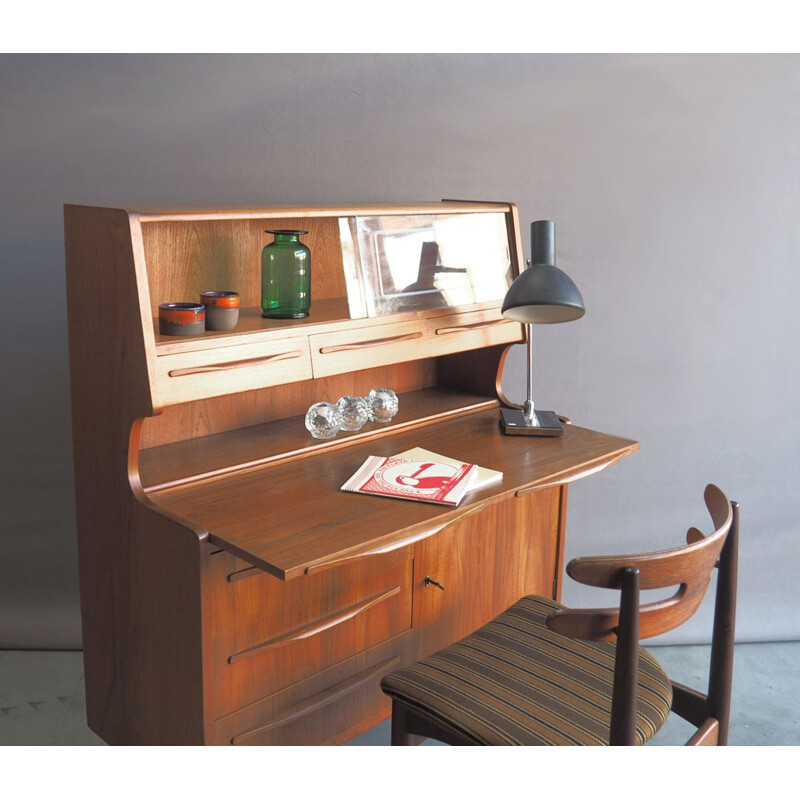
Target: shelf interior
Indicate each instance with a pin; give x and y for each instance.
(177, 464)
(185, 258)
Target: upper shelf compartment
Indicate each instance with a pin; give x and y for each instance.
(399, 265)
(371, 261)
(187, 257)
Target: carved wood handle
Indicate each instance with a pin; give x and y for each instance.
(537, 487)
(251, 362)
(474, 326)
(340, 348)
(321, 700)
(316, 627)
(390, 544)
(246, 572)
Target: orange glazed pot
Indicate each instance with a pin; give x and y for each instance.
(222, 310)
(181, 319)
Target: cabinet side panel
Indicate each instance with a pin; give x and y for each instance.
(108, 358)
(137, 573)
(161, 650)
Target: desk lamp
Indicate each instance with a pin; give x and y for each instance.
(542, 294)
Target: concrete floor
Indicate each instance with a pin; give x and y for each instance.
(42, 699)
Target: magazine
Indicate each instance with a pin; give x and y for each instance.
(425, 480)
(483, 476)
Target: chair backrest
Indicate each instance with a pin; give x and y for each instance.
(688, 567)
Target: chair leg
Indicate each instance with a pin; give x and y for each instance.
(625, 696)
(722, 642)
(400, 733)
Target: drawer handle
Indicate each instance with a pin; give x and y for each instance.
(341, 348)
(431, 582)
(537, 487)
(247, 572)
(315, 627)
(321, 700)
(391, 544)
(251, 362)
(474, 326)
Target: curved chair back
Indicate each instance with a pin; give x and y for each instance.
(688, 567)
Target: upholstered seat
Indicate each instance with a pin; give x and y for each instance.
(516, 682)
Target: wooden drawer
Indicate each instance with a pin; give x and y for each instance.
(226, 370)
(329, 708)
(267, 634)
(458, 332)
(348, 351)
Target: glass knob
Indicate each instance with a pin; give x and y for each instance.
(323, 420)
(382, 405)
(354, 412)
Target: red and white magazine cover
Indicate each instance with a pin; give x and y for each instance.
(425, 481)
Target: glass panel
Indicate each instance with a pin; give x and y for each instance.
(410, 263)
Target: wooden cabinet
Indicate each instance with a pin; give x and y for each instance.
(230, 592)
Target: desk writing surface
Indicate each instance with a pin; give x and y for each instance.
(288, 516)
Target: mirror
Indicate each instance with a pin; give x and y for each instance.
(395, 264)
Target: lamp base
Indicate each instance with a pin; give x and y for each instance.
(515, 424)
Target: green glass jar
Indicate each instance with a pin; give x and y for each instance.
(286, 277)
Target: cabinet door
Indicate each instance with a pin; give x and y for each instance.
(485, 563)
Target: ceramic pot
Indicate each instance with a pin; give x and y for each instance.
(181, 319)
(222, 310)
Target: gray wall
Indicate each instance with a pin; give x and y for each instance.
(674, 182)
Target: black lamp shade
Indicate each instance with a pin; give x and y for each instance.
(543, 293)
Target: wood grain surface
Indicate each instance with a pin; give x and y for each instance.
(508, 549)
(273, 504)
(139, 570)
(287, 632)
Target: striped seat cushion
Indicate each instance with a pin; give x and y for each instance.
(516, 682)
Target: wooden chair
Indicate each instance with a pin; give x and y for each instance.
(541, 673)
